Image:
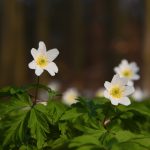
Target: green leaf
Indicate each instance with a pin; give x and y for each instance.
(72, 113)
(17, 129)
(125, 137)
(55, 111)
(9, 91)
(58, 143)
(90, 147)
(27, 147)
(5, 91)
(90, 130)
(38, 124)
(18, 102)
(138, 107)
(63, 127)
(85, 140)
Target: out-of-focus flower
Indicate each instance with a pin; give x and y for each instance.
(69, 96)
(128, 70)
(54, 85)
(43, 60)
(43, 102)
(100, 92)
(139, 95)
(117, 91)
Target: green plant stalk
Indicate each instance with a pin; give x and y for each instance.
(36, 90)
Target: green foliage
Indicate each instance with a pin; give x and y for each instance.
(38, 124)
(90, 124)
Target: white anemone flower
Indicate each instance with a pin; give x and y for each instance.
(43, 103)
(100, 92)
(117, 91)
(128, 70)
(54, 85)
(43, 60)
(69, 96)
(139, 95)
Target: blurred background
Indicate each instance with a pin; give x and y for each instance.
(93, 36)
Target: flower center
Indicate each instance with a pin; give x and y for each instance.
(42, 61)
(127, 73)
(116, 92)
(71, 97)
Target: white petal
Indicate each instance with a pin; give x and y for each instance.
(125, 101)
(114, 101)
(106, 95)
(52, 68)
(123, 81)
(52, 54)
(50, 71)
(119, 80)
(42, 47)
(130, 83)
(136, 77)
(116, 70)
(138, 95)
(107, 85)
(34, 52)
(134, 66)
(128, 90)
(32, 65)
(115, 79)
(124, 62)
(38, 71)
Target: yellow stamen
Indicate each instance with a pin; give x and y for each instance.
(116, 92)
(71, 97)
(42, 61)
(127, 73)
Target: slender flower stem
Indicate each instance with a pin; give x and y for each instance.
(36, 91)
(106, 120)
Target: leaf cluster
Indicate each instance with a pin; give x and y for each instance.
(90, 124)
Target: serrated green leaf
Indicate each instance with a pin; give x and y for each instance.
(140, 140)
(90, 130)
(63, 127)
(17, 129)
(38, 124)
(85, 140)
(5, 91)
(28, 147)
(71, 114)
(138, 107)
(123, 135)
(90, 147)
(19, 102)
(55, 111)
(58, 143)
